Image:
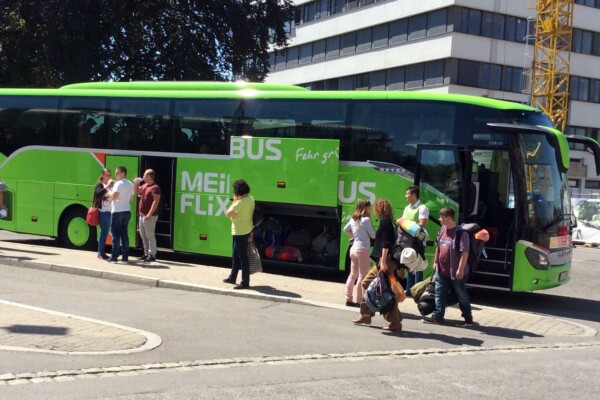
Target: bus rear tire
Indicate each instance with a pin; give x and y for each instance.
(74, 232)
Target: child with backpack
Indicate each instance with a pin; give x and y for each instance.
(451, 268)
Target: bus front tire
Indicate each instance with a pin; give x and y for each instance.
(74, 232)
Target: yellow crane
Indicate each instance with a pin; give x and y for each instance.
(551, 59)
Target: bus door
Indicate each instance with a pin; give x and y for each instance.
(165, 179)
(474, 182)
(132, 165)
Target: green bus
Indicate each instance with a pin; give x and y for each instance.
(308, 157)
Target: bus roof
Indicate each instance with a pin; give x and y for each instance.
(171, 85)
(229, 90)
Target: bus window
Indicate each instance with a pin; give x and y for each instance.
(28, 121)
(390, 131)
(204, 125)
(296, 118)
(139, 124)
(82, 122)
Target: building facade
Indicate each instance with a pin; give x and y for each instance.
(477, 47)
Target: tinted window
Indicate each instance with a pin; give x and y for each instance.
(204, 126)
(26, 121)
(140, 124)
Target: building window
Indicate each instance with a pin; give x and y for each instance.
(363, 81)
(333, 47)
(472, 22)
(377, 80)
(292, 56)
(380, 36)
(363, 40)
(437, 22)
(498, 30)
(348, 43)
(414, 76)
(318, 50)
(399, 31)
(346, 83)
(487, 29)
(434, 73)
(592, 184)
(468, 73)
(595, 91)
(417, 27)
(280, 60)
(305, 53)
(395, 79)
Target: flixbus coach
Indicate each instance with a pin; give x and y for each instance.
(307, 156)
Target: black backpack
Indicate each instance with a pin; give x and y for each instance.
(475, 245)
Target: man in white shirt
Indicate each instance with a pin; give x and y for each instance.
(120, 214)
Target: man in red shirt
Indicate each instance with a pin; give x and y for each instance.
(149, 195)
(451, 268)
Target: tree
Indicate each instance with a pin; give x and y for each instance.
(49, 43)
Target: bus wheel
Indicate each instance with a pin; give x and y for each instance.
(74, 232)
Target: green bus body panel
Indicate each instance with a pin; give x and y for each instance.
(39, 194)
(202, 196)
(525, 275)
(285, 170)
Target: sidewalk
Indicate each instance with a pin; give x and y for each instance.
(196, 277)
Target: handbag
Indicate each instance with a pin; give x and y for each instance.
(379, 296)
(254, 259)
(93, 216)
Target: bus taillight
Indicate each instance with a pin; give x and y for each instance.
(562, 231)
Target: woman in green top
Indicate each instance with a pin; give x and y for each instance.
(240, 213)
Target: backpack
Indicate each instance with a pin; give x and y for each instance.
(477, 239)
(379, 296)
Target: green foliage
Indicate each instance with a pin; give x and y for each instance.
(587, 210)
(49, 43)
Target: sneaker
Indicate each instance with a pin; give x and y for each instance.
(150, 258)
(102, 257)
(351, 304)
(229, 280)
(432, 320)
(468, 321)
(143, 258)
(111, 260)
(125, 261)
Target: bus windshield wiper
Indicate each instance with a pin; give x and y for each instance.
(555, 221)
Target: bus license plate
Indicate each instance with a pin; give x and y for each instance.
(560, 241)
(563, 276)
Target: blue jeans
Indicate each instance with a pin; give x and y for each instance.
(240, 259)
(120, 237)
(104, 227)
(443, 283)
(412, 279)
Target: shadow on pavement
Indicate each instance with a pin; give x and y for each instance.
(543, 303)
(270, 290)
(37, 330)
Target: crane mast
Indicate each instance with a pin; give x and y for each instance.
(552, 56)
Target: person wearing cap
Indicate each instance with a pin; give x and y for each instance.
(451, 269)
(419, 213)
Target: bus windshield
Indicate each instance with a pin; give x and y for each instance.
(547, 191)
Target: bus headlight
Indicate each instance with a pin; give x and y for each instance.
(537, 259)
